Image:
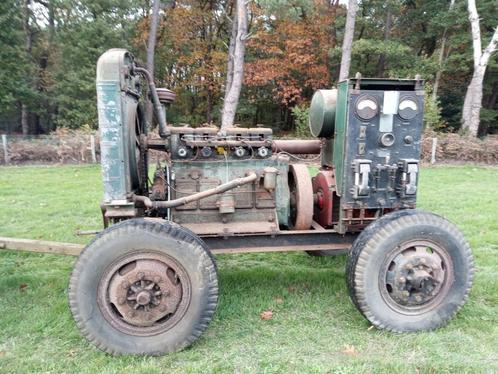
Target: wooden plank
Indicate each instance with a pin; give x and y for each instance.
(40, 246)
(71, 249)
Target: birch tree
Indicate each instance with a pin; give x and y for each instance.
(347, 44)
(473, 97)
(234, 78)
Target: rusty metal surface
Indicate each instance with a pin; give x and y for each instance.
(281, 241)
(417, 276)
(323, 189)
(165, 96)
(158, 190)
(253, 203)
(300, 147)
(197, 196)
(232, 228)
(144, 293)
(301, 197)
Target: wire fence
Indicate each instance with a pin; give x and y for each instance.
(81, 147)
(62, 147)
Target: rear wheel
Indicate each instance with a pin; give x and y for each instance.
(144, 287)
(410, 271)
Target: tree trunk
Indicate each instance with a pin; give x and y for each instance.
(209, 105)
(439, 72)
(231, 52)
(347, 43)
(333, 34)
(473, 98)
(28, 49)
(151, 47)
(233, 93)
(473, 102)
(24, 119)
(387, 36)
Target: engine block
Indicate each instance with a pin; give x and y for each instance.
(203, 158)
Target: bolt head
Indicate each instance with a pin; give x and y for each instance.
(125, 285)
(121, 300)
(141, 275)
(162, 308)
(157, 279)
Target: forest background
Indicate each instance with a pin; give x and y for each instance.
(49, 49)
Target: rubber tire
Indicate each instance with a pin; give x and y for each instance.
(375, 243)
(126, 237)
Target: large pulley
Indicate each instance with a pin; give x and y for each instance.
(301, 197)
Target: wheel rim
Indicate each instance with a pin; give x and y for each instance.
(144, 293)
(416, 277)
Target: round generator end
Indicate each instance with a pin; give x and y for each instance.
(322, 113)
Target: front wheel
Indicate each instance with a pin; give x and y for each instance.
(144, 287)
(410, 271)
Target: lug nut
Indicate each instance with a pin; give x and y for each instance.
(141, 275)
(121, 300)
(124, 285)
(157, 279)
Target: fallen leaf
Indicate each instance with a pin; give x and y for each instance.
(266, 315)
(72, 352)
(371, 328)
(2, 354)
(23, 286)
(279, 300)
(350, 350)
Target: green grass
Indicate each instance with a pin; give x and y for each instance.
(309, 330)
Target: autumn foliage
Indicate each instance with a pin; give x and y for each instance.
(289, 56)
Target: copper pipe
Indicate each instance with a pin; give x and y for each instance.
(297, 147)
(148, 203)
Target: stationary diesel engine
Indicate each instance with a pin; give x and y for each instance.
(147, 284)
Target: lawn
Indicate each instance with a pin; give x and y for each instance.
(315, 327)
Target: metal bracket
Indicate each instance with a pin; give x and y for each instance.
(409, 169)
(361, 170)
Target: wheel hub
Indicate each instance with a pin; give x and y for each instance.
(415, 275)
(143, 292)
